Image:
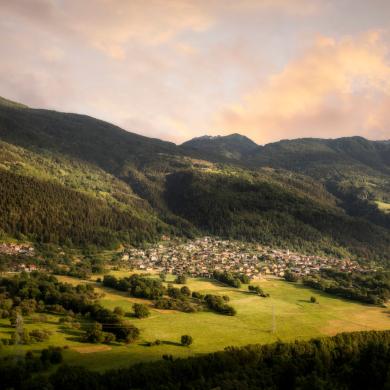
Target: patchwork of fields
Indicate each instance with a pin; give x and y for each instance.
(288, 311)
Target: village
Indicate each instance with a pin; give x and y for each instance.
(16, 249)
(24, 250)
(202, 256)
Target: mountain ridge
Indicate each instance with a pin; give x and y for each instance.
(293, 194)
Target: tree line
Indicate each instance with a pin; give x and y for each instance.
(352, 361)
(25, 294)
(370, 287)
(170, 297)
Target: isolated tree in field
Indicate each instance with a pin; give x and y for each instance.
(258, 290)
(186, 340)
(141, 310)
(313, 299)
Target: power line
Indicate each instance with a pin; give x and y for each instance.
(273, 319)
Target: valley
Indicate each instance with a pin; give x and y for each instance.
(194, 195)
(118, 249)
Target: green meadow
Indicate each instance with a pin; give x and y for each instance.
(286, 315)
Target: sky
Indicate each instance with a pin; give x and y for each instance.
(178, 69)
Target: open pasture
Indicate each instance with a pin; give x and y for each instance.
(286, 315)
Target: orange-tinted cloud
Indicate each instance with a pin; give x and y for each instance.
(337, 87)
(109, 25)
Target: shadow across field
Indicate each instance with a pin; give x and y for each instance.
(6, 326)
(162, 342)
(71, 334)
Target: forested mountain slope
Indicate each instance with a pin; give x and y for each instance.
(256, 207)
(311, 195)
(47, 212)
(350, 162)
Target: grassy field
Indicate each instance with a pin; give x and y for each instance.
(295, 318)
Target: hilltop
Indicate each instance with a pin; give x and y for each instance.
(231, 147)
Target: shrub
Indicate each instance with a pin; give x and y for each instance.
(39, 335)
(185, 291)
(109, 338)
(186, 340)
(197, 295)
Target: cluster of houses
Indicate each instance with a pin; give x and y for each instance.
(16, 249)
(202, 256)
(278, 261)
(19, 250)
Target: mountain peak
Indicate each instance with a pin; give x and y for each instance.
(232, 146)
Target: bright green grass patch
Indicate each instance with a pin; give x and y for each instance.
(383, 206)
(295, 318)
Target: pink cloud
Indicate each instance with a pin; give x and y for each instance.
(337, 87)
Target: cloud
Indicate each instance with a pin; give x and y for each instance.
(110, 25)
(294, 7)
(337, 87)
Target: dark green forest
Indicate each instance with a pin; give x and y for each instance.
(48, 212)
(373, 287)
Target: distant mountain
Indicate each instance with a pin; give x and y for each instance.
(307, 154)
(304, 155)
(76, 180)
(230, 147)
(350, 164)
